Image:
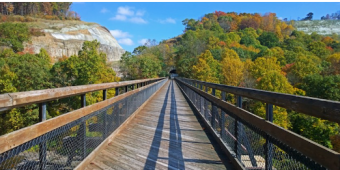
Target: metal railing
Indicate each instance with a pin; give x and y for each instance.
(252, 142)
(64, 141)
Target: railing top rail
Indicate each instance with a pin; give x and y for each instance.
(327, 157)
(18, 137)
(321, 108)
(11, 100)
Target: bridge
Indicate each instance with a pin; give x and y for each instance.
(164, 124)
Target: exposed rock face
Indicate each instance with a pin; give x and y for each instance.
(69, 40)
(323, 27)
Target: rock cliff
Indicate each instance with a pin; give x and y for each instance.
(66, 38)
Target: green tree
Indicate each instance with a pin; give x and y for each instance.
(319, 49)
(268, 39)
(13, 35)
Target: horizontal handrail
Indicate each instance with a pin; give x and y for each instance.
(325, 156)
(321, 108)
(12, 100)
(19, 137)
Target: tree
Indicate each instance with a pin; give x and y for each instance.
(138, 50)
(319, 49)
(268, 39)
(249, 22)
(149, 66)
(334, 59)
(232, 69)
(325, 87)
(13, 35)
(303, 66)
(308, 17)
(206, 68)
(264, 65)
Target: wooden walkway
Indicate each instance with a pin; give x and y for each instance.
(165, 134)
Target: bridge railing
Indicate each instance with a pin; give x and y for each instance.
(252, 142)
(64, 141)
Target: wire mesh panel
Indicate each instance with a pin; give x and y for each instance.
(252, 147)
(66, 146)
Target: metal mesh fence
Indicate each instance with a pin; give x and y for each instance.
(252, 147)
(66, 146)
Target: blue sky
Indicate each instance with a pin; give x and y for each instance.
(133, 23)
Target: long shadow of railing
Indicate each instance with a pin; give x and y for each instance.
(175, 146)
(175, 155)
(156, 142)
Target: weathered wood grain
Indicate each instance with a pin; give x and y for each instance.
(26, 134)
(321, 108)
(165, 134)
(325, 156)
(18, 99)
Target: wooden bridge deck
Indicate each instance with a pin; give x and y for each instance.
(165, 134)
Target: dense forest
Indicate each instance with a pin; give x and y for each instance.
(253, 51)
(46, 10)
(25, 72)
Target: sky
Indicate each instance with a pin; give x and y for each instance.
(132, 23)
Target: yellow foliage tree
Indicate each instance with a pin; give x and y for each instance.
(264, 65)
(232, 69)
(334, 59)
(206, 68)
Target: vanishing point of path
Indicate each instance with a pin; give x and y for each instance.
(165, 134)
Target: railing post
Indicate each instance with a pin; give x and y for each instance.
(126, 89)
(269, 145)
(42, 145)
(105, 115)
(132, 87)
(83, 128)
(201, 101)
(206, 105)
(222, 123)
(238, 130)
(117, 91)
(214, 111)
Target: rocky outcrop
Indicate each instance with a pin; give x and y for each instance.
(323, 27)
(65, 39)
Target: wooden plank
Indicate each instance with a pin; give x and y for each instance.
(18, 99)
(26, 134)
(164, 135)
(311, 149)
(92, 155)
(321, 108)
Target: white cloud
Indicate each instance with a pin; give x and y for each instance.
(128, 14)
(119, 17)
(143, 41)
(140, 13)
(125, 11)
(120, 34)
(104, 10)
(168, 20)
(125, 41)
(137, 20)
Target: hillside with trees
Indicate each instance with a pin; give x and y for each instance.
(24, 11)
(253, 51)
